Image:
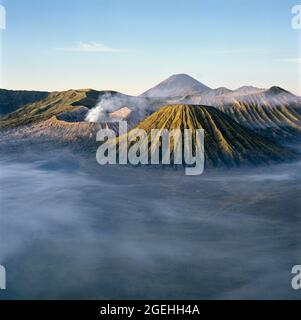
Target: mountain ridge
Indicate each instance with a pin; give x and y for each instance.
(55, 103)
(227, 143)
(11, 100)
(274, 112)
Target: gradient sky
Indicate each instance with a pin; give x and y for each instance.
(130, 45)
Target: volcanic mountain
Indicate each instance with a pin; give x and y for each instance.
(176, 86)
(274, 113)
(61, 116)
(80, 105)
(227, 143)
(72, 105)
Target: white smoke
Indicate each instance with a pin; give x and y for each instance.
(140, 107)
(106, 103)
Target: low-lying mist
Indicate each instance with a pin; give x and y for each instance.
(72, 229)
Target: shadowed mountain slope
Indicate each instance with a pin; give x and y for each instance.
(227, 143)
(274, 113)
(54, 104)
(11, 100)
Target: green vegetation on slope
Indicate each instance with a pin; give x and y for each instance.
(276, 122)
(226, 142)
(54, 104)
(11, 100)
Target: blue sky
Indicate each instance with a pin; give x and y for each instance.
(130, 45)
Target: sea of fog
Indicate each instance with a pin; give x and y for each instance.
(70, 228)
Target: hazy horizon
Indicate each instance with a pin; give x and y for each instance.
(159, 81)
(130, 46)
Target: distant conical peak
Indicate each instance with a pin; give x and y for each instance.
(276, 90)
(181, 75)
(176, 85)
